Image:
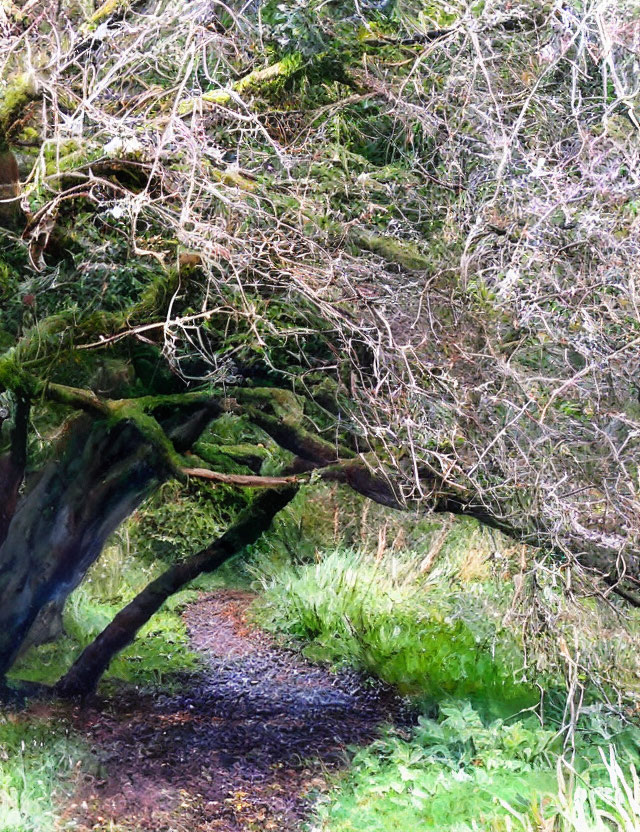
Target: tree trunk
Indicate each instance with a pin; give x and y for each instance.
(12, 467)
(61, 524)
(83, 677)
(47, 627)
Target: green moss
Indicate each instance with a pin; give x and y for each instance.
(271, 78)
(105, 9)
(67, 156)
(18, 92)
(403, 252)
(9, 282)
(154, 298)
(6, 341)
(284, 404)
(13, 378)
(135, 412)
(263, 82)
(231, 458)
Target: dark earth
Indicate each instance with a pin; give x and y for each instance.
(244, 746)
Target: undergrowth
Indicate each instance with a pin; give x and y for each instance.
(484, 755)
(39, 761)
(418, 632)
(461, 774)
(497, 757)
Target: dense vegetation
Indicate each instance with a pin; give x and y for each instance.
(486, 751)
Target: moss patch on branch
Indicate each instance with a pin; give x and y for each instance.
(20, 90)
(402, 252)
(261, 82)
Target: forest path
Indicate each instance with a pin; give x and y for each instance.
(238, 749)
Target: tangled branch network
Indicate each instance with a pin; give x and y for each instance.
(440, 214)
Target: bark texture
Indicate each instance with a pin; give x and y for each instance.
(47, 627)
(60, 526)
(103, 472)
(12, 467)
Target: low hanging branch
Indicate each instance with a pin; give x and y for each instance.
(83, 677)
(353, 473)
(240, 479)
(274, 411)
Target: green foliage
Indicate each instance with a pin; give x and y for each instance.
(611, 804)
(458, 773)
(297, 534)
(429, 640)
(297, 25)
(440, 637)
(177, 521)
(451, 774)
(37, 762)
(8, 282)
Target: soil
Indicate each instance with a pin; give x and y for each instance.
(243, 746)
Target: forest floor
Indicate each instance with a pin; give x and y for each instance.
(242, 746)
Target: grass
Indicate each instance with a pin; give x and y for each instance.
(430, 622)
(39, 757)
(39, 761)
(612, 805)
(419, 633)
(448, 775)
(441, 637)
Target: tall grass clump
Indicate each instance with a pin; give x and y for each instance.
(422, 633)
(38, 762)
(612, 805)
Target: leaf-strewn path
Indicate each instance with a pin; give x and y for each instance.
(239, 748)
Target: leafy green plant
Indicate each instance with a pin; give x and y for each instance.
(611, 804)
(454, 773)
(458, 773)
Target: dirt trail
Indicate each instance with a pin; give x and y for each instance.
(239, 749)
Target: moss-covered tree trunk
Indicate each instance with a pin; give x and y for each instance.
(84, 675)
(60, 525)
